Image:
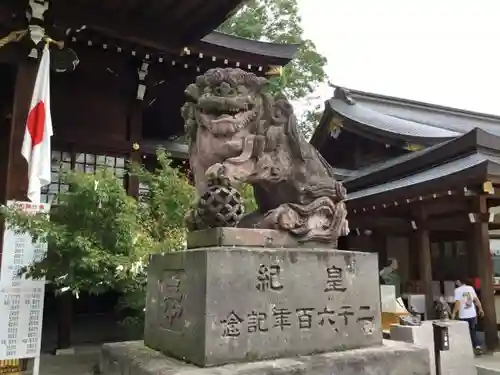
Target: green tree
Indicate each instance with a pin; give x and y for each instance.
(278, 21)
(99, 238)
(164, 204)
(161, 212)
(90, 233)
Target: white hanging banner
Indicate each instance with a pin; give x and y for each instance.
(21, 299)
(21, 317)
(18, 249)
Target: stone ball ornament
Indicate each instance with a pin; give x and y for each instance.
(218, 206)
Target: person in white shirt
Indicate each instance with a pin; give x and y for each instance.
(468, 306)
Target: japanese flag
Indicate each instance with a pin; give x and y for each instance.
(36, 143)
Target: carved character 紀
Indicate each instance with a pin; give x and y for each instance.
(268, 278)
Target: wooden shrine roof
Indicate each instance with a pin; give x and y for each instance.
(247, 50)
(164, 23)
(367, 122)
(160, 27)
(468, 170)
(454, 119)
(398, 122)
(469, 159)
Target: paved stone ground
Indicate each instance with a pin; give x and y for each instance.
(64, 365)
(81, 363)
(488, 364)
(88, 333)
(85, 358)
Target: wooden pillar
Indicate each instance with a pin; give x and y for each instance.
(134, 136)
(379, 245)
(343, 243)
(14, 178)
(414, 257)
(472, 271)
(481, 246)
(423, 245)
(64, 303)
(17, 169)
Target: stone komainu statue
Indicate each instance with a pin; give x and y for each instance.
(238, 133)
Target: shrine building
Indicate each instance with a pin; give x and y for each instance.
(120, 69)
(118, 82)
(423, 184)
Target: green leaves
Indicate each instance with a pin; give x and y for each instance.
(163, 206)
(278, 21)
(99, 238)
(249, 201)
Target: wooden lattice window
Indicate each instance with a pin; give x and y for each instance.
(84, 162)
(60, 161)
(90, 163)
(143, 189)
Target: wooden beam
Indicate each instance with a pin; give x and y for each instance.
(439, 203)
(456, 222)
(447, 236)
(481, 244)
(117, 147)
(158, 35)
(444, 205)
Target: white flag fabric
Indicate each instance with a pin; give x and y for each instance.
(36, 144)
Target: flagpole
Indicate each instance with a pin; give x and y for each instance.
(36, 362)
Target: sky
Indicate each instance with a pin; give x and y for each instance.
(444, 52)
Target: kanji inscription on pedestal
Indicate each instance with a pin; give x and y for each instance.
(220, 305)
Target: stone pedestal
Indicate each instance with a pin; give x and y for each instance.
(458, 360)
(394, 358)
(219, 305)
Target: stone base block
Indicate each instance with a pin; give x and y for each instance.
(458, 360)
(221, 305)
(245, 237)
(134, 358)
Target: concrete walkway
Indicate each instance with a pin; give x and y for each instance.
(488, 364)
(83, 362)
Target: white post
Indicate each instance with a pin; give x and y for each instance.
(36, 365)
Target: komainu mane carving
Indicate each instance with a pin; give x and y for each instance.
(238, 133)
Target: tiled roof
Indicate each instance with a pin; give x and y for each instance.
(384, 125)
(446, 169)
